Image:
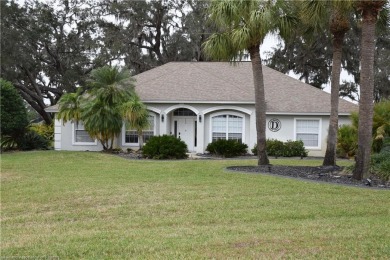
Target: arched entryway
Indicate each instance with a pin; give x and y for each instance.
(184, 125)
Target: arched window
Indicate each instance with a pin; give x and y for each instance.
(183, 112)
(229, 127)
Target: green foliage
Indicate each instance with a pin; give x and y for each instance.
(346, 141)
(274, 147)
(165, 147)
(13, 111)
(380, 164)
(137, 116)
(381, 124)
(294, 148)
(8, 143)
(47, 131)
(100, 108)
(286, 149)
(227, 148)
(347, 134)
(33, 141)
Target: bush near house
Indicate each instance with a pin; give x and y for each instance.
(227, 148)
(380, 162)
(346, 141)
(347, 134)
(47, 131)
(165, 147)
(285, 149)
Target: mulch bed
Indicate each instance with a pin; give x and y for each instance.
(331, 174)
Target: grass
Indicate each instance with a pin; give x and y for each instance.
(93, 205)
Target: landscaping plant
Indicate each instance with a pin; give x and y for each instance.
(285, 149)
(165, 147)
(227, 148)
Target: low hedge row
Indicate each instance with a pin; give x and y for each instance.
(285, 149)
(227, 148)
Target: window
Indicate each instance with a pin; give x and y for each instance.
(80, 134)
(183, 112)
(308, 130)
(227, 127)
(131, 136)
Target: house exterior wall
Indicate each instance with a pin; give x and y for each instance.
(163, 113)
(67, 141)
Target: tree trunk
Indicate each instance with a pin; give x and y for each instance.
(140, 140)
(330, 154)
(260, 104)
(366, 92)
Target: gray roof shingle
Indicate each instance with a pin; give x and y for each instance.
(222, 82)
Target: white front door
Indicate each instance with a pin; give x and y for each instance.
(185, 130)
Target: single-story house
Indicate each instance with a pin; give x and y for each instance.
(200, 102)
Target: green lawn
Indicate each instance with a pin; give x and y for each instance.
(93, 205)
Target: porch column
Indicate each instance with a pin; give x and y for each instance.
(163, 124)
(200, 133)
(252, 131)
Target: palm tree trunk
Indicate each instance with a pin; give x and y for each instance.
(260, 104)
(366, 93)
(330, 154)
(140, 139)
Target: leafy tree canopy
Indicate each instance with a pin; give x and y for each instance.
(13, 111)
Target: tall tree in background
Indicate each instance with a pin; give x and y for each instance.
(335, 14)
(369, 11)
(168, 31)
(244, 25)
(311, 59)
(49, 48)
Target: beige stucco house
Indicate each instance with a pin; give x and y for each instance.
(199, 102)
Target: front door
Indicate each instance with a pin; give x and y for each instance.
(185, 130)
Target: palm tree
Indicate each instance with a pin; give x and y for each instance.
(100, 106)
(69, 107)
(334, 14)
(137, 116)
(369, 10)
(110, 88)
(243, 25)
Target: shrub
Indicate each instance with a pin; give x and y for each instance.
(286, 149)
(47, 131)
(294, 148)
(275, 147)
(165, 147)
(33, 141)
(380, 164)
(227, 148)
(346, 141)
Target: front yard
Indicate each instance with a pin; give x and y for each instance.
(94, 205)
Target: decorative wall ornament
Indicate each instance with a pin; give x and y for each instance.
(274, 125)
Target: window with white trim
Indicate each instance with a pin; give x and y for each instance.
(308, 130)
(131, 135)
(227, 127)
(80, 134)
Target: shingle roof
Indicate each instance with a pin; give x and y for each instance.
(222, 82)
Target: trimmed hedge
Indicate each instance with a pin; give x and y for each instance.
(285, 149)
(165, 147)
(227, 148)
